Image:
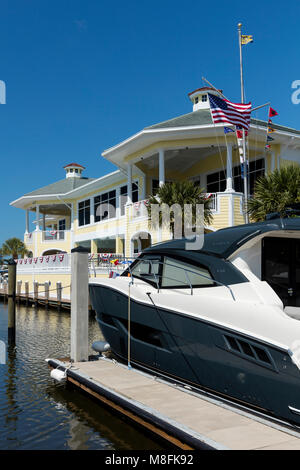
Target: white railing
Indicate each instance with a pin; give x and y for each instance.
(54, 235)
(59, 262)
(213, 201)
(28, 238)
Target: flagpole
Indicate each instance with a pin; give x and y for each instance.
(244, 134)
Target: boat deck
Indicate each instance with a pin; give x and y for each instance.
(176, 414)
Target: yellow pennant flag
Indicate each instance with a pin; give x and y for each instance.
(246, 38)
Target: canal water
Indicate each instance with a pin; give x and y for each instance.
(36, 413)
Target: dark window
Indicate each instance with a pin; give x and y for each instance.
(62, 224)
(84, 210)
(105, 206)
(216, 182)
(76, 170)
(204, 97)
(196, 100)
(256, 169)
(123, 196)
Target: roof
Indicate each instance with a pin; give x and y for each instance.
(225, 242)
(204, 88)
(76, 165)
(61, 187)
(202, 117)
(195, 118)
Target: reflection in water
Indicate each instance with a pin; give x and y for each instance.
(35, 413)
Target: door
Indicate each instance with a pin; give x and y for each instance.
(281, 268)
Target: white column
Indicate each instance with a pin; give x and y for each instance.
(229, 169)
(118, 212)
(92, 215)
(129, 183)
(72, 217)
(161, 166)
(37, 217)
(27, 221)
(142, 196)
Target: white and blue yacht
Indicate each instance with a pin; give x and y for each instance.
(224, 318)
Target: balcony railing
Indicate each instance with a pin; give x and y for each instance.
(54, 235)
(28, 238)
(213, 201)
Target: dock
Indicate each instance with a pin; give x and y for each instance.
(53, 301)
(177, 414)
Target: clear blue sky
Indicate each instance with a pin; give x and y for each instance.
(82, 75)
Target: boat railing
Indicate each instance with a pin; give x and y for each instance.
(186, 271)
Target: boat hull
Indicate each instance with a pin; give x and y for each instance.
(199, 352)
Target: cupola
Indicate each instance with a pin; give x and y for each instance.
(199, 97)
(74, 170)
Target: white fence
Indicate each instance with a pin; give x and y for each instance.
(100, 263)
(59, 262)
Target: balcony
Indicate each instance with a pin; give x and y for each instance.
(54, 235)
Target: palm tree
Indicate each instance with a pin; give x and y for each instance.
(181, 193)
(275, 192)
(14, 247)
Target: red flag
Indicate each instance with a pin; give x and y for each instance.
(239, 134)
(272, 112)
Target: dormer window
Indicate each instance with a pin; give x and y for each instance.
(71, 170)
(196, 100)
(204, 98)
(76, 170)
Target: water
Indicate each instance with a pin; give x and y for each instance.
(36, 413)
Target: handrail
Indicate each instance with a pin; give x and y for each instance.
(186, 270)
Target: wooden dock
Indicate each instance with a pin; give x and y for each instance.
(52, 301)
(186, 419)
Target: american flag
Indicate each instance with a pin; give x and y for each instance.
(225, 112)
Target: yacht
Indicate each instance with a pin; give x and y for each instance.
(224, 319)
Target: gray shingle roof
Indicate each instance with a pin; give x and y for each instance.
(61, 187)
(196, 118)
(202, 117)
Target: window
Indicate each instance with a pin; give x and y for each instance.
(196, 100)
(216, 182)
(256, 168)
(84, 212)
(105, 206)
(123, 196)
(148, 269)
(62, 224)
(204, 98)
(155, 186)
(181, 274)
(76, 170)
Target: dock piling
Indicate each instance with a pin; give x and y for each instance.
(79, 304)
(35, 292)
(12, 276)
(27, 291)
(47, 293)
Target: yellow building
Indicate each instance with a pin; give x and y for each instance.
(70, 212)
